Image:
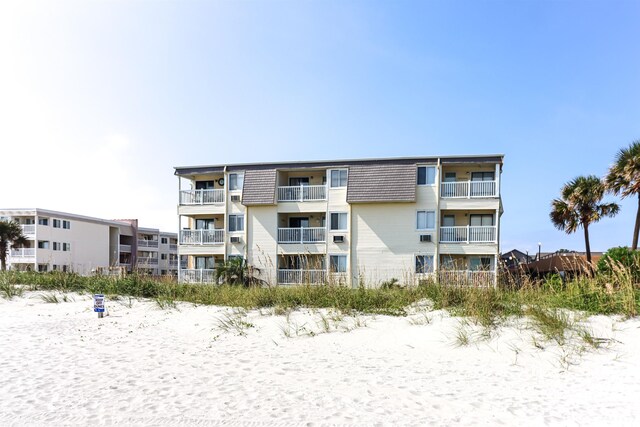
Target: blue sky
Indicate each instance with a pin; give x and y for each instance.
(101, 99)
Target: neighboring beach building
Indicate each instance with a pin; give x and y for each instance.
(69, 242)
(349, 221)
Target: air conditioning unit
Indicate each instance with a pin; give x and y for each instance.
(338, 239)
(235, 198)
(425, 237)
(235, 239)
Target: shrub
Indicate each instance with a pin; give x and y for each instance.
(622, 257)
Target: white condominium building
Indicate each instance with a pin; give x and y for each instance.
(344, 221)
(69, 242)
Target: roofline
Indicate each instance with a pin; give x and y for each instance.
(496, 158)
(49, 212)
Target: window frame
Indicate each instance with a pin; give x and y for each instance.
(339, 178)
(426, 212)
(57, 223)
(239, 181)
(331, 263)
(43, 244)
(236, 219)
(43, 221)
(66, 224)
(426, 176)
(419, 266)
(346, 221)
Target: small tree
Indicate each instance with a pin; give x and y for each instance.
(10, 235)
(624, 179)
(622, 256)
(237, 272)
(579, 206)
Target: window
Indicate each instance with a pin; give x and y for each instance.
(43, 244)
(66, 224)
(338, 263)
(43, 221)
(206, 262)
(56, 246)
(164, 240)
(424, 264)
(43, 268)
(480, 220)
(204, 185)
(66, 247)
(338, 221)
(236, 222)
(236, 180)
(163, 256)
(338, 178)
(426, 175)
(482, 263)
(56, 267)
(56, 223)
(482, 176)
(163, 272)
(65, 268)
(205, 224)
(426, 220)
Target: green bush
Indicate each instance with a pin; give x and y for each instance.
(620, 257)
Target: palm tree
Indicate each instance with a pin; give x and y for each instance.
(236, 271)
(579, 206)
(10, 235)
(624, 179)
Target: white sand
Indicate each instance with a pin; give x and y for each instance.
(146, 366)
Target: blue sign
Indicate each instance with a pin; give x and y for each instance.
(98, 303)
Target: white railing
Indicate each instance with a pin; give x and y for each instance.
(125, 248)
(201, 237)
(201, 197)
(28, 228)
(173, 263)
(23, 253)
(147, 261)
(302, 235)
(173, 247)
(147, 243)
(468, 189)
(467, 278)
(299, 277)
(200, 275)
(468, 234)
(302, 193)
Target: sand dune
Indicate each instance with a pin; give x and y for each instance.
(143, 365)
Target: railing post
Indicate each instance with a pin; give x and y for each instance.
(468, 232)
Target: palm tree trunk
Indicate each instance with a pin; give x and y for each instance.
(636, 230)
(3, 256)
(586, 243)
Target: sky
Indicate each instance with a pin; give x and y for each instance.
(99, 100)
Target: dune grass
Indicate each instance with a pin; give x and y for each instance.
(613, 293)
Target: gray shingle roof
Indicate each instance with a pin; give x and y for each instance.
(259, 187)
(382, 183)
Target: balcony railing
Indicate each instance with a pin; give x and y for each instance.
(147, 243)
(147, 261)
(201, 237)
(480, 278)
(302, 235)
(200, 275)
(201, 197)
(468, 234)
(299, 277)
(302, 193)
(173, 247)
(125, 248)
(468, 189)
(28, 228)
(23, 253)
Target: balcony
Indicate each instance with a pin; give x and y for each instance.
(468, 234)
(23, 253)
(201, 197)
(201, 275)
(481, 278)
(201, 237)
(147, 261)
(302, 193)
(147, 243)
(468, 189)
(173, 247)
(28, 229)
(299, 277)
(125, 248)
(302, 235)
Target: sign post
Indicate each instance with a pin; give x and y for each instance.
(98, 304)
